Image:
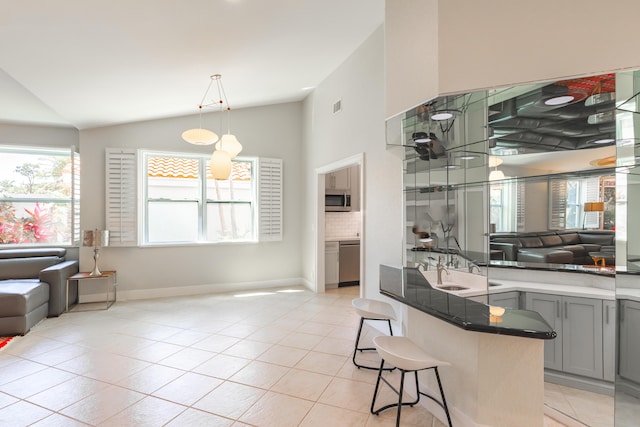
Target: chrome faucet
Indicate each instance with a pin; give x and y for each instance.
(424, 265)
(440, 268)
(474, 266)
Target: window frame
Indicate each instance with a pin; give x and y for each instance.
(202, 200)
(73, 200)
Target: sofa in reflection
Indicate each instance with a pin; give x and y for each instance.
(557, 247)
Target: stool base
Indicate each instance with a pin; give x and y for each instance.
(400, 403)
(361, 349)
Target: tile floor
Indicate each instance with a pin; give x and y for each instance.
(271, 358)
(591, 409)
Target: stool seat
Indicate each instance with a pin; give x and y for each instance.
(373, 309)
(403, 353)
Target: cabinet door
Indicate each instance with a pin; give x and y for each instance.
(582, 336)
(338, 180)
(549, 308)
(354, 187)
(629, 343)
(331, 263)
(506, 299)
(609, 340)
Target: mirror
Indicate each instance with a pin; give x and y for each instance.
(553, 162)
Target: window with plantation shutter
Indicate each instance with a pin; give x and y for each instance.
(121, 196)
(558, 204)
(270, 199)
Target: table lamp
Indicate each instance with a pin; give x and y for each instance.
(97, 239)
(591, 207)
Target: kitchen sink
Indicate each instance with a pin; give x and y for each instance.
(495, 284)
(452, 288)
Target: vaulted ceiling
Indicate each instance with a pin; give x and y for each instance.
(88, 64)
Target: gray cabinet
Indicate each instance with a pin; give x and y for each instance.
(609, 340)
(549, 308)
(629, 345)
(505, 299)
(338, 180)
(331, 263)
(582, 336)
(579, 324)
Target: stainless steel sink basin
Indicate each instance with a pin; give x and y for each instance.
(495, 284)
(452, 288)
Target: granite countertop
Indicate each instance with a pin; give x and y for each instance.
(410, 287)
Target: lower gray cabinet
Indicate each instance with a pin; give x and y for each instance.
(579, 324)
(629, 344)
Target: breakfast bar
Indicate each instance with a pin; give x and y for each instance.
(496, 375)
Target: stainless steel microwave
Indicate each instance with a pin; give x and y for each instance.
(337, 201)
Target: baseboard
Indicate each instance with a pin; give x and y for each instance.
(581, 383)
(177, 291)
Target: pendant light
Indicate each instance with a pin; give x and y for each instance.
(227, 147)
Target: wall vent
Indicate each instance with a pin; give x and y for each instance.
(337, 106)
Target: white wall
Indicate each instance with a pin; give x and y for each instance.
(273, 131)
(359, 128)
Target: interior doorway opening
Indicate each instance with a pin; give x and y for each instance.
(340, 224)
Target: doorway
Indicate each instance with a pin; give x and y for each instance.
(339, 225)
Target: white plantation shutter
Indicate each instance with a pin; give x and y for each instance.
(270, 199)
(591, 194)
(121, 196)
(558, 202)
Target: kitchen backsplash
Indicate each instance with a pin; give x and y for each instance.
(341, 224)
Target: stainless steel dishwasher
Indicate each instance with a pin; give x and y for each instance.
(349, 263)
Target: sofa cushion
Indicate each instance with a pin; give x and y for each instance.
(549, 255)
(19, 297)
(570, 238)
(578, 251)
(551, 240)
(531, 242)
(600, 239)
(25, 268)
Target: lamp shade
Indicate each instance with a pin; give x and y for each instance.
(594, 207)
(95, 238)
(220, 164)
(230, 144)
(199, 136)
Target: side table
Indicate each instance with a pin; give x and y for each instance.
(109, 278)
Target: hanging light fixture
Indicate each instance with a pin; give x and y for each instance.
(495, 174)
(228, 146)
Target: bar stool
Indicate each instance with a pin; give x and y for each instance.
(405, 355)
(369, 309)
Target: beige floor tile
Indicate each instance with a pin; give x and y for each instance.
(321, 363)
(229, 399)
(188, 388)
(283, 356)
(19, 368)
(222, 366)
(350, 371)
(151, 378)
(302, 384)
(6, 400)
(156, 351)
(22, 413)
(260, 374)
(316, 328)
(268, 335)
(28, 349)
(240, 330)
(195, 418)
(277, 410)
(216, 343)
(149, 411)
(58, 420)
(187, 358)
(102, 405)
(248, 349)
(186, 338)
(325, 415)
(35, 383)
(338, 346)
(348, 394)
(67, 393)
(301, 340)
(60, 355)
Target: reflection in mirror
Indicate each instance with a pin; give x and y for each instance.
(529, 179)
(627, 389)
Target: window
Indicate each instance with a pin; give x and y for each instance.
(568, 197)
(507, 206)
(39, 193)
(184, 204)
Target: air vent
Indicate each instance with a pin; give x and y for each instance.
(337, 106)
